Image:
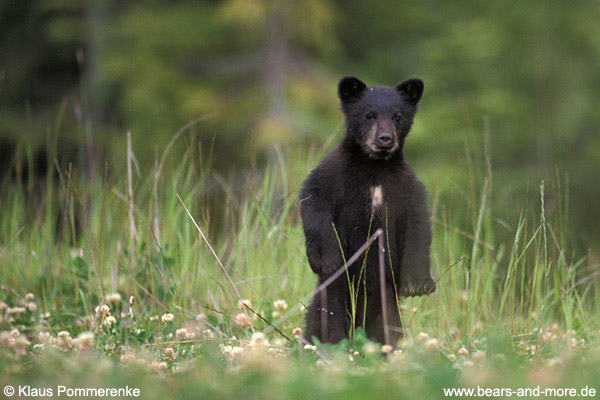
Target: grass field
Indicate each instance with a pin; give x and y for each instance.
(107, 281)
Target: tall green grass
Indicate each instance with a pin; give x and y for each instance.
(72, 239)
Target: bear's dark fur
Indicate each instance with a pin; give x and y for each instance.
(362, 185)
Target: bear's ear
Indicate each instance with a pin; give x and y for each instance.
(411, 90)
(350, 88)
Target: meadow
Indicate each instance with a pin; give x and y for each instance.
(184, 283)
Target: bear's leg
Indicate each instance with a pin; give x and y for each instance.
(327, 317)
(374, 325)
(415, 275)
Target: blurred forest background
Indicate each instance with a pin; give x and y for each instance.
(519, 81)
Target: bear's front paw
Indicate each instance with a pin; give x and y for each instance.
(421, 288)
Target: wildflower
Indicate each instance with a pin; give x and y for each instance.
(45, 315)
(423, 336)
(85, 340)
(110, 320)
(43, 337)
(297, 331)
(64, 341)
(29, 297)
(242, 320)
(244, 303)
(127, 358)
(17, 311)
(103, 310)
(280, 305)
(259, 340)
(113, 299)
(275, 314)
(6, 339)
(431, 344)
(237, 351)
(208, 334)
(32, 306)
(154, 318)
(157, 366)
(311, 347)
(15, 333)
(21, 344)
(396, 356)
(185, 333)
(170, 354)
(3, 306)
(576, 344)
(168, 317)
(386, 348)
(370, 348)
(463, 351)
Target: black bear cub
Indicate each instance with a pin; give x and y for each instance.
(365, 184)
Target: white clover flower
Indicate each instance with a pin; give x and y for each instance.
(244, 302)
(242, 320)
(103, 310)
(169, 352)
(208, 334)
(168, 317)
(370, 348)
(30, 297)
(297, 331)
(127, 358)
(157, 366)
(181, 333)
(463, 351)
(43, 336)
(113, 299)
(85, 340)
(21, 344)
(64, 341)
(280, 305)
(259, 340)
(110, 320)
(386, 348)
(32, 306)
(237, 351)
(16, 311)
(432, 344)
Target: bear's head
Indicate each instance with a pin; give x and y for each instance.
(378, 118)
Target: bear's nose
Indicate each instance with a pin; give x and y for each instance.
(385, 139)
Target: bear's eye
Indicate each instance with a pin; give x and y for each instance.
(369, 115)
(397, 117)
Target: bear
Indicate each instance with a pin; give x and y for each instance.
(362, 185)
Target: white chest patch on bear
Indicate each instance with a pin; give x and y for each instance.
(376, 196)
